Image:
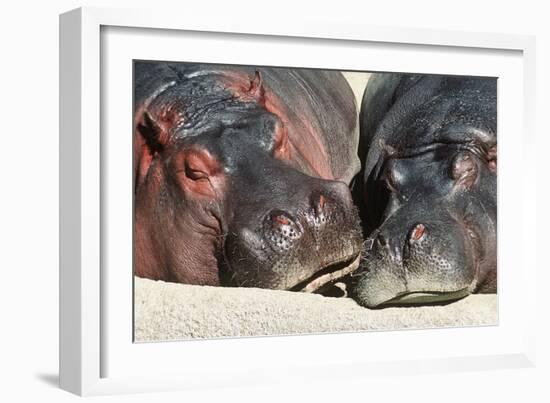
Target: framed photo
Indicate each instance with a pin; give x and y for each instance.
(157, 114)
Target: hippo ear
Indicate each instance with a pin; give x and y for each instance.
(464, 169)
(149, 140)
(151, 132)
(492, 158)
(257, 88)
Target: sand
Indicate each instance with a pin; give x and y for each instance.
(168, 311)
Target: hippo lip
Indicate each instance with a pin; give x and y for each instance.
(426, 297)
(328, 274)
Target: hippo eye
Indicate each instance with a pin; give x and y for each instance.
(199, 165)
(194, 174)
(198, 171)
(390, 181)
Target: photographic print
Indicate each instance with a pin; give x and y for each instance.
(278, 200)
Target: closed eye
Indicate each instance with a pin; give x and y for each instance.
(195, 174)
(389, 182)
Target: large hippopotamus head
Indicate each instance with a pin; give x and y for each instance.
(429, 189)
(242, 175)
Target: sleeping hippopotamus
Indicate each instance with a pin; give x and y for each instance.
(428, 189)
(241, 175)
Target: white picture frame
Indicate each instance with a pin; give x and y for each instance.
(97, 357)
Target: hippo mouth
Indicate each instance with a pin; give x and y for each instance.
(425, 297)
(328, 274)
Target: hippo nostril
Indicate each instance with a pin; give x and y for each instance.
(280, 219)
(417, 232)
(281, 230)
(387, 247)
(319, 203)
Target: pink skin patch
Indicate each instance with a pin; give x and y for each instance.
(294, 140)
(282, 146)
(303, 140)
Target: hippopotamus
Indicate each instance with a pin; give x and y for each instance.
(427, 190)
(242, 175)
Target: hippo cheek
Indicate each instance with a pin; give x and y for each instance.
(249, 263)
(443, 265)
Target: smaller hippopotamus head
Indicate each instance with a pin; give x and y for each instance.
(435, 190)
(220, 201)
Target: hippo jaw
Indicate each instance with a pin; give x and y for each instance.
(308, 278)
(387, 286)
(328, 275)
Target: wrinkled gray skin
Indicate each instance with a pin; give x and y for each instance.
(428, 189)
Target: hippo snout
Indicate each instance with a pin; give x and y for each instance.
(417, 261)
(313, 228)
(284, 229)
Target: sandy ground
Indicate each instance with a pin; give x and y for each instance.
(357, 82)
(166, 311)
